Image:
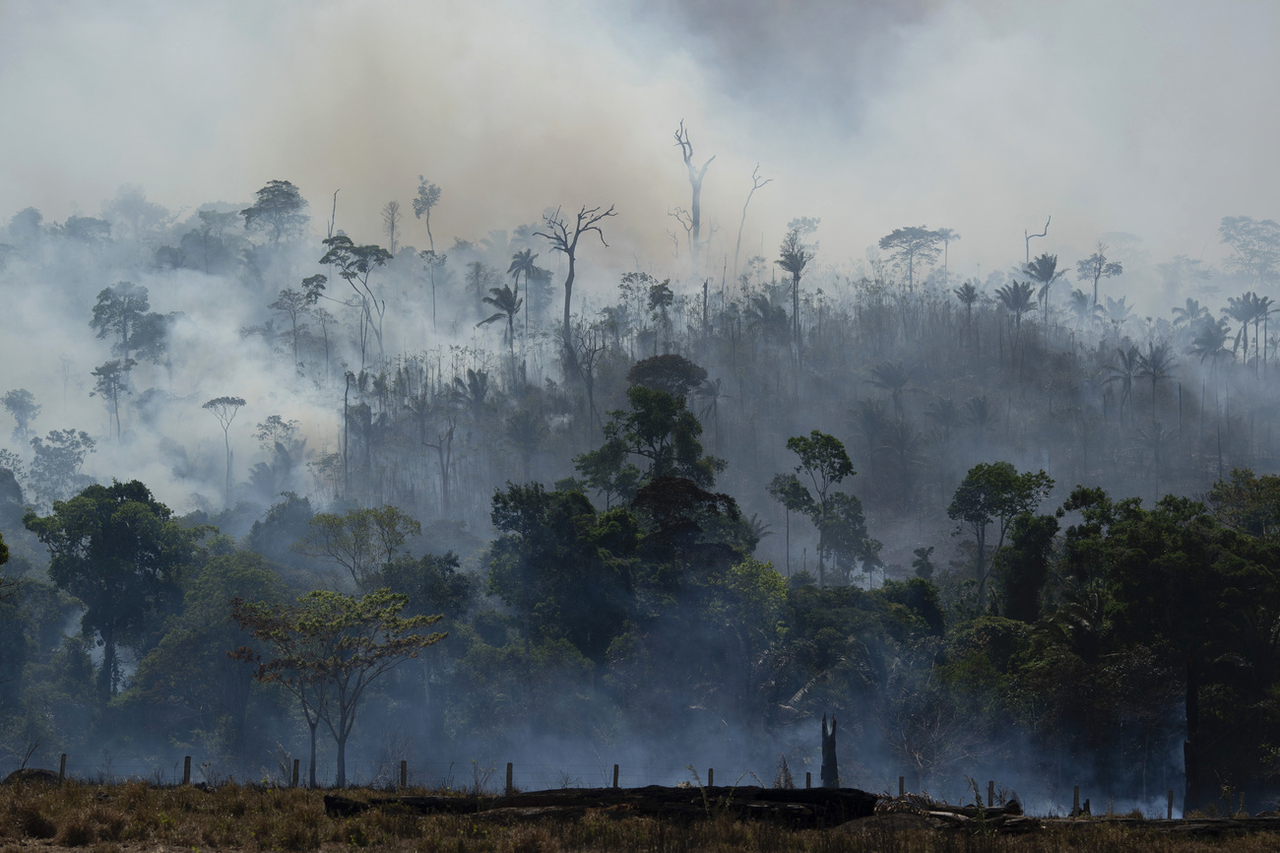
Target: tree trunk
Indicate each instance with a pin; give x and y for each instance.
(311, 770)
(1192, 797)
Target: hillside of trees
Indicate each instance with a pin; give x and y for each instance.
(672, 512)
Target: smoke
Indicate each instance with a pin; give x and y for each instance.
(986, 117)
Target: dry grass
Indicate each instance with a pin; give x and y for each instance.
(135, 817)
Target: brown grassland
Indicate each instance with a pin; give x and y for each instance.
(136, 816)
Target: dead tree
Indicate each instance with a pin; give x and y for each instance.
(1029, 237)
(695, 184)
(830, 772)
(756, 183)
(564, 238)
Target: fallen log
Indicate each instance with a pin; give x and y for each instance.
(796, 806)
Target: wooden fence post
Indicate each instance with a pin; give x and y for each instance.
(808, 779)
(62, 770)
(991, 793)
(902, 786)
(1170, 810)
(1075, 802)
(186, 770)
(404, 773)
(615, 776)
(295, 774)
(509, 769)
(711, 777)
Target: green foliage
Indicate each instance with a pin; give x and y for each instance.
(122, 554)
(660, 429)
(279, 209)
(994, 493)
(328, 648)
(562, 567)
(362, 540)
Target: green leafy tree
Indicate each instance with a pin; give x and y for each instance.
(187, 684)
(355, 265)
(561, 566)
(119, 310)
(328, 648)
(122, 554)
(21, 405)
(1255, 246)
(55, 470)
(279, 210)
(911, 246)
(659, 428)
(363, 540)
(994, 493)
(824, 463)
(112, 384)
(1097, 267)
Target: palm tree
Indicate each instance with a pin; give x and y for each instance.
(1044, 269)
(1211, 338)
(1016, 298)
(522, 263)
(1118, 312)
(946, 414)
(979, 412)
(1123, 371)
(1190, 314)
(1157, 364)
(891, 376)
(1241, 310)
(1261, 313)
(769, 320)
(508, 303)
(1082, 308)
(708, 393)
(968, 294)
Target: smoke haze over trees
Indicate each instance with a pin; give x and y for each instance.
(1000, 500)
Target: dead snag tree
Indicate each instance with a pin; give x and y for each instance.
(696, 175)
(564, 237)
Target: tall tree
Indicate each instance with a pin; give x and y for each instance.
(280, 210)
(912, 245)
(427, 198)
(696, 174)
(119, 310)
(947, 236)
(21, 405)
(112, 384)
(757, 182)
(55, 471)
(508, 302)
(224, 409)
(793, 257)
(391, 225)
(1255, 247)
(355, 265)
(994, 493)
(563, 237)
(1096, 267)
(121, 553)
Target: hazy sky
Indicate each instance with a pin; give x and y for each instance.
(1155, 118)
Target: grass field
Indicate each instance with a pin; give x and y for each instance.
(136, 816)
